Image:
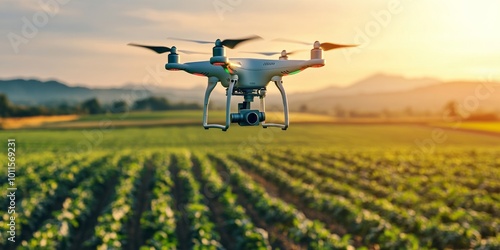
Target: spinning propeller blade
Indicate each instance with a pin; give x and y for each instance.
(291, 41)
(229, 43)
(157, 49)
(232, 43)
(324, 46)
(190, 52)
(189, 40)
(275, 53)
(330, 46)
(163, 49)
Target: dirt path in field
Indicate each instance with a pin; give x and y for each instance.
(143, 198)
(277, 237)
(282, 193)
(86, 230)
(182, 222)
(217, 211)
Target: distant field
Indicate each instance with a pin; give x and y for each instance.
(314, 186)
(169, 118)
(192, 115)
(35, 121)
(493, 127)
(147, 119)
(135, 116)
(342, 137)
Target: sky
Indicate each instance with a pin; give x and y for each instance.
(84, 42)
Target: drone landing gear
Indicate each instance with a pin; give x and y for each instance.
(245, 116)
(279, 85)
(212, 82)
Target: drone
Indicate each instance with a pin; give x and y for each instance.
(247, 77)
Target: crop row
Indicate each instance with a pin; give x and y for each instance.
(406, 181)
(296, 226)
(37, 200)
(201, 232)
(158, 223)
(236, 222)
(357, 221)
(111, 230)
(61, 231)
(181, 199)
(405, 217)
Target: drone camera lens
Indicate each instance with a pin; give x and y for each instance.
(252, 118)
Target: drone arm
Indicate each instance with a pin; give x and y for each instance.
(279, 85)
(315, 63)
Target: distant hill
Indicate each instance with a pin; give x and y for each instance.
(378, 83)
(383, 83)
(20, 91)
(429, 98)
(35, 92)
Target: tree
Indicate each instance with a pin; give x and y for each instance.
(65, 109)
(119, 107)
(4, 106)
(92, 106)
(450, 109)
(152, 103)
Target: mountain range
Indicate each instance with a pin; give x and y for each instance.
(375, 93)
(36, 92)
(470, 97)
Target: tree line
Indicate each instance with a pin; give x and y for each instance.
(91, 106)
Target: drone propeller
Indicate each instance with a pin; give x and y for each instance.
(229, 43)
(324, 46)
(291, 41)
(190, 52)
(282, 53)
(330, 46)
(157, 49)
(163, 49)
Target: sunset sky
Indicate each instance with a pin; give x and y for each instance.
(84, 42)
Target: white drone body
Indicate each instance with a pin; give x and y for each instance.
(252, 73)
(247, 77)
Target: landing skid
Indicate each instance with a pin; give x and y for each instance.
(212, 82)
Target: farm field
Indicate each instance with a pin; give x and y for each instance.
(490, 127)
(145, 119)
(312, 187)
